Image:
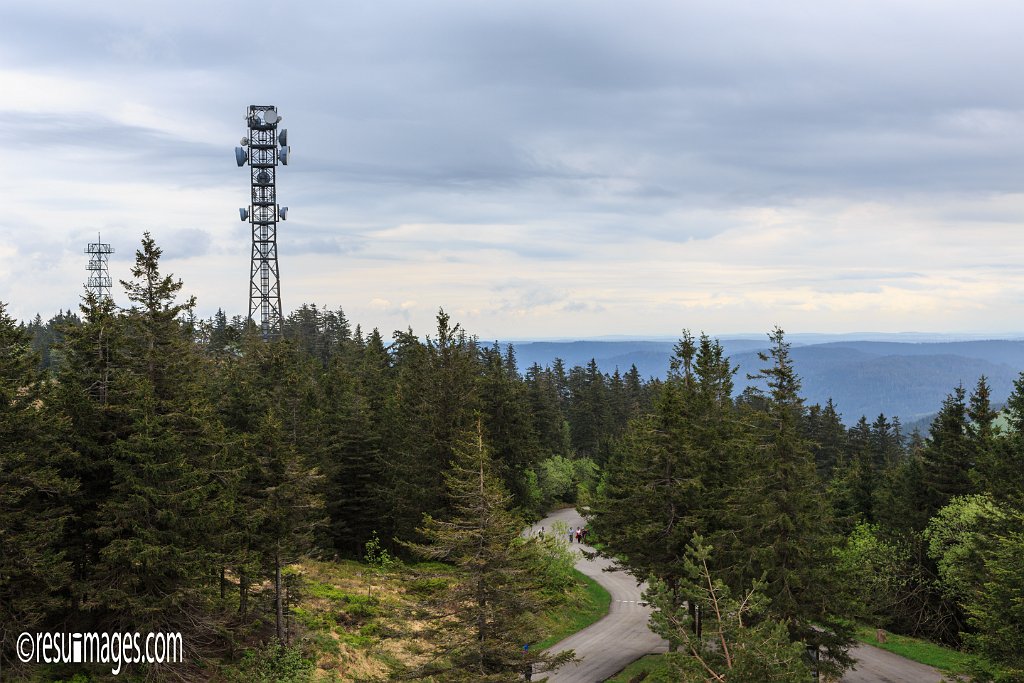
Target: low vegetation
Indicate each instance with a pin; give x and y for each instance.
(356, 623)
(649, 669)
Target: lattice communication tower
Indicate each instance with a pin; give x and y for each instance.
(99, 282)
(263, 149)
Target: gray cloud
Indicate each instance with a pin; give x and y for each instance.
(558, 136)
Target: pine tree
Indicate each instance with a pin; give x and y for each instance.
(731, 638)
(901, 500)
(86, 390)
(669, 476)
(637, 396)
(291, 507)
(997, 470)
(490, 612)
(433, 399)
(885, 446)
(263, 382)
(824, 428)
(35, 575)
(862, 459)
(948, 455)
(348, 451)
(507, 422)
(588, 411)
(983, 433)
(156, 556)
(546, 412)
(788, 535)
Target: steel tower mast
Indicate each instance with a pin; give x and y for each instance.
(99, 282)
(266, 148)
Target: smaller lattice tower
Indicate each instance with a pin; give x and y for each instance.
(99, 282)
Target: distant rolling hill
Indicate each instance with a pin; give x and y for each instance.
(909, 380)
(650, 357)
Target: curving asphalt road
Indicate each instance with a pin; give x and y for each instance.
(608, 646)
(875, 665)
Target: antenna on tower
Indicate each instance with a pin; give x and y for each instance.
(99, 282)
(262, 148)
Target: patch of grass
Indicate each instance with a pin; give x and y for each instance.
(921, 651)
(589, 605)
(649, 669)
(427, 586)
(315, 589)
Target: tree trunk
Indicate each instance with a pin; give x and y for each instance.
(243, 593)
(278, 595)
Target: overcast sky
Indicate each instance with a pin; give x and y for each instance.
(539, 169)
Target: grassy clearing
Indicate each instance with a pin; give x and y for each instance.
(649, 669)
(590, 604)
(352, 623)
(922, 651)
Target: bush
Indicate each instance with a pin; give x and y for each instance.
(274, 663)
(555, 560)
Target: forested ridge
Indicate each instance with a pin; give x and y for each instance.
(162, 472)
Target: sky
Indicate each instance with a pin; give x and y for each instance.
(538, 169)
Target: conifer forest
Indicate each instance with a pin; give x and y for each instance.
(349, 503)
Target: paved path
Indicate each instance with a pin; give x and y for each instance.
(606, 647)
(880, 666)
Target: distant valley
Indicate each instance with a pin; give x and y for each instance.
(905, 379)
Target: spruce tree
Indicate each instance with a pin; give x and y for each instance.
(824, 428)
(348, 453)
(983, 433)
(432, 402)
(732, 638)
(490, 612)
(788, 535)
(546, 412)
(997, 469)
(156, 556)
(507, 422)
(291, 508)
(669, 475)
(589, 411)
(948, 455)
(87, 390)
(35, 575)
